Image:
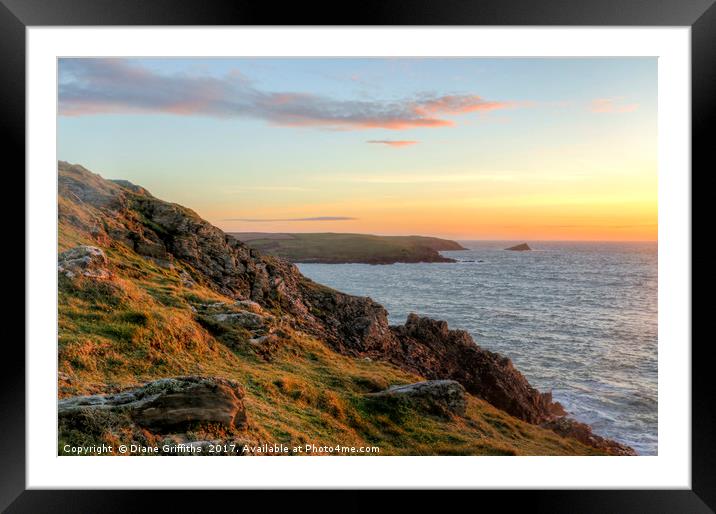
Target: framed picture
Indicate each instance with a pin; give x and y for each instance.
(418, 247)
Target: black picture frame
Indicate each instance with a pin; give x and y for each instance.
(17, 15)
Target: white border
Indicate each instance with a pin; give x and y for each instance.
(671, 468)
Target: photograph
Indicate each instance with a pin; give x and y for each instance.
(357, 256)
(457, 238)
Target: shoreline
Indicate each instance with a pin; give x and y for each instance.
(574, 393)
(176, 282)
(349, 248)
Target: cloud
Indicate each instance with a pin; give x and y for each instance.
(272, 188)
(100, 86)
(391, 142)
(456, 178)
(607, 105)
(442, 178)
(459, 104)
(316, 218)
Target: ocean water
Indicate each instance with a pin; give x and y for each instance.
(578, 319)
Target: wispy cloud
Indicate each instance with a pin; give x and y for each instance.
(316, 218)
(272, 188)
(392, 142)
(637, 225)
(97, 86)
(443, 178)
(456, 178)
(607, 105)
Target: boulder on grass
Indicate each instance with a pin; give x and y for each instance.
(247, 320)
(171, 404)
(446, 395)
(84, 260)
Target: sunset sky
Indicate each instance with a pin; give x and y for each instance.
(517, 149)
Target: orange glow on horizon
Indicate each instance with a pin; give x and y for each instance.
(609, 222)
(616, 208)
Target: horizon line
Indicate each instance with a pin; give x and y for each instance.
(461, 238)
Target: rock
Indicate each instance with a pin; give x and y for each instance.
(428, 347)
(215, 306)
(162, 263)
(86, 261)
(187, 281)
(247, 320)
(148, 244)
(132, 187)
(256, 341)
(249, 305)
(351, 324)
(85, 187)
(447, 395)
(568, 427)
(524, 247)
(171, 404)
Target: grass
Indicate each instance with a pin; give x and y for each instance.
(143, 324)
(335, 248)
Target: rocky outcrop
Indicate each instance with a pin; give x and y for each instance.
(250, 306)
(430, 348)
(352, 325)
(358, 326)
(120, 212)
(567, 427)
(126, 214)
(247, 320)
(83, 261)
(447, 396)
(170, 404)
(524, 247)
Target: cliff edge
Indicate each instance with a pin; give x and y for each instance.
(149, 290)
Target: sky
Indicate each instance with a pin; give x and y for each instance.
(463, 148)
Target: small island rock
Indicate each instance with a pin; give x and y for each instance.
(524, 247)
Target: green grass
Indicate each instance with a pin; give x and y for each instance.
(142, 324)
(118, 334)
(335, 248)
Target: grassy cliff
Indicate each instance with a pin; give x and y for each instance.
(148, 312)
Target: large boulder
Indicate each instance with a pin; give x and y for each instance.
(87, 261)
(247, 320)
(171, 404)
(446, 395)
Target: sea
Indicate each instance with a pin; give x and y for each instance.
(578, 319)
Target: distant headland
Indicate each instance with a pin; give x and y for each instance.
(332, 248)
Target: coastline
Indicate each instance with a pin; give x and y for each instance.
(563, 342)
(348, 248)
(251, 308)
